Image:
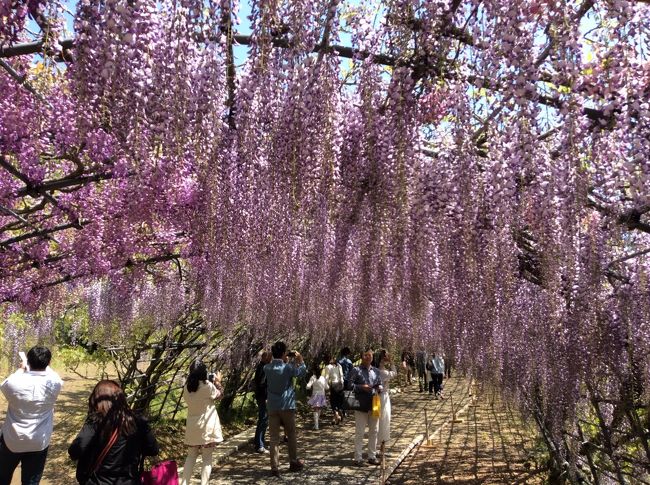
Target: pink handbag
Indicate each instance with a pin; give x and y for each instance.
(163, 473)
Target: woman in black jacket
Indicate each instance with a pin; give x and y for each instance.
(111, 420)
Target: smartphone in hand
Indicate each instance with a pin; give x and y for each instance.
(23, 359)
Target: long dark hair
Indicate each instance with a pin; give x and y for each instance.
(107, 407)
(379, 356)
(198, 373)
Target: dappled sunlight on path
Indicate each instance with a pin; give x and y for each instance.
(492, 445)
(328, 453)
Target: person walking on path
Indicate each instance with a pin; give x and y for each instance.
(408, 362)
(281, 403)
(421, 360)
(437, 373)
(112, 441)
(336, 382)
(203, 427)
(387, 372)
(31, 392)
(430, 376)
(346, 365)
(449, 363)
(319, 387)
(260, 398)
(365, 379)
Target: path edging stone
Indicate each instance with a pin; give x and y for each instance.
(227, 448)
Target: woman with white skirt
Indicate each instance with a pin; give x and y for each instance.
(387, 372)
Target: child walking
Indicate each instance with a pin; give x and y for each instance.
(318, 399)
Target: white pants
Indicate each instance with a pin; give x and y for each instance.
(206, 469)
(361, 420)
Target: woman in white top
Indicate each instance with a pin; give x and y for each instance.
(318, 401)
(387, 372)
(203, 428)
(334, 375)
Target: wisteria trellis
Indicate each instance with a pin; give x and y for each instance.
(466, 173)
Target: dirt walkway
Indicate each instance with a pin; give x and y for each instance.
(328, 453)
(491, 446)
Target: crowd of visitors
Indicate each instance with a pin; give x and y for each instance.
(112, 444)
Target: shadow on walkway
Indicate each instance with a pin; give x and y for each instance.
(328, 453)
(492, 445)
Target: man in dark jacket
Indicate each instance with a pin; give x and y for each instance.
(260, 397)
(346, 365)
(365, 379)
(421, 359)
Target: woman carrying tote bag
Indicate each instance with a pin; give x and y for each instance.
(203, 428)
(112, 441)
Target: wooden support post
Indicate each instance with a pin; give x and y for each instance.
(473, 398)
(428, 439)
(426, 426)
(454, 419)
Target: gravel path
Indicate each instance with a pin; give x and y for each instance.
(328, 453)
(491, 446)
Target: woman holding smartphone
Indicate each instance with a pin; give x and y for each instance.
(203, 428)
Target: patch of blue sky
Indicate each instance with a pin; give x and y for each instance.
(373, 8)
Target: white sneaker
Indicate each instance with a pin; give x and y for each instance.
(263, 450)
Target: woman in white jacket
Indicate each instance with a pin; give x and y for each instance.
(319, 387)
(203, 428)
(387, 372)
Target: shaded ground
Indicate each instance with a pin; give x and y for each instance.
(491, 446)
(328, 453)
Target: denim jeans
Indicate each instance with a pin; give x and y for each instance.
(32, 464)
(262, 423)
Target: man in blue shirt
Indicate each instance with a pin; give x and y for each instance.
(365, 379)
(281, 403)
